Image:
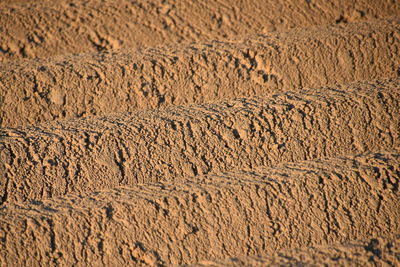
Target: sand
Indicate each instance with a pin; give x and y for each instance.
(34, 91)
(209, 217)
(375, 251)
(199, 133)
(47, 28)
(77, 156)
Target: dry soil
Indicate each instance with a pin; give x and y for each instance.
(250, 212)
(375, 251)
(204, 133)
(34, 91)
(33, 28)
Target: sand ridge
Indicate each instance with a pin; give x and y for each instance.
(204, 133)
(31, 29)
(54, 159)
(260, 211)
(34, 91)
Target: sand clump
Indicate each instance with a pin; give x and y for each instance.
(199, 133)
(209, 217)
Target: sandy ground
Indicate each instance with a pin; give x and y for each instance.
(46, 28)
(33, 91)
(77, 156)
(241, 213)
(199, 133)
(375, 251)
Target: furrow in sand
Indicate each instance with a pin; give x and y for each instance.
(371, 252)
(48, 28)
(82, 155)
(33, 91)
(254, 212)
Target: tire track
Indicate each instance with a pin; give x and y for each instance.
(80, 156)
(211, 217)
(124, 81)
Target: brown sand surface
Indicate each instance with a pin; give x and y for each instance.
(33, 91)
(209, 217)
(55, 159)
(51, 27)
(206, 133)
(375, 251)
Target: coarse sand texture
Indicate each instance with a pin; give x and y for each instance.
(199, 133)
